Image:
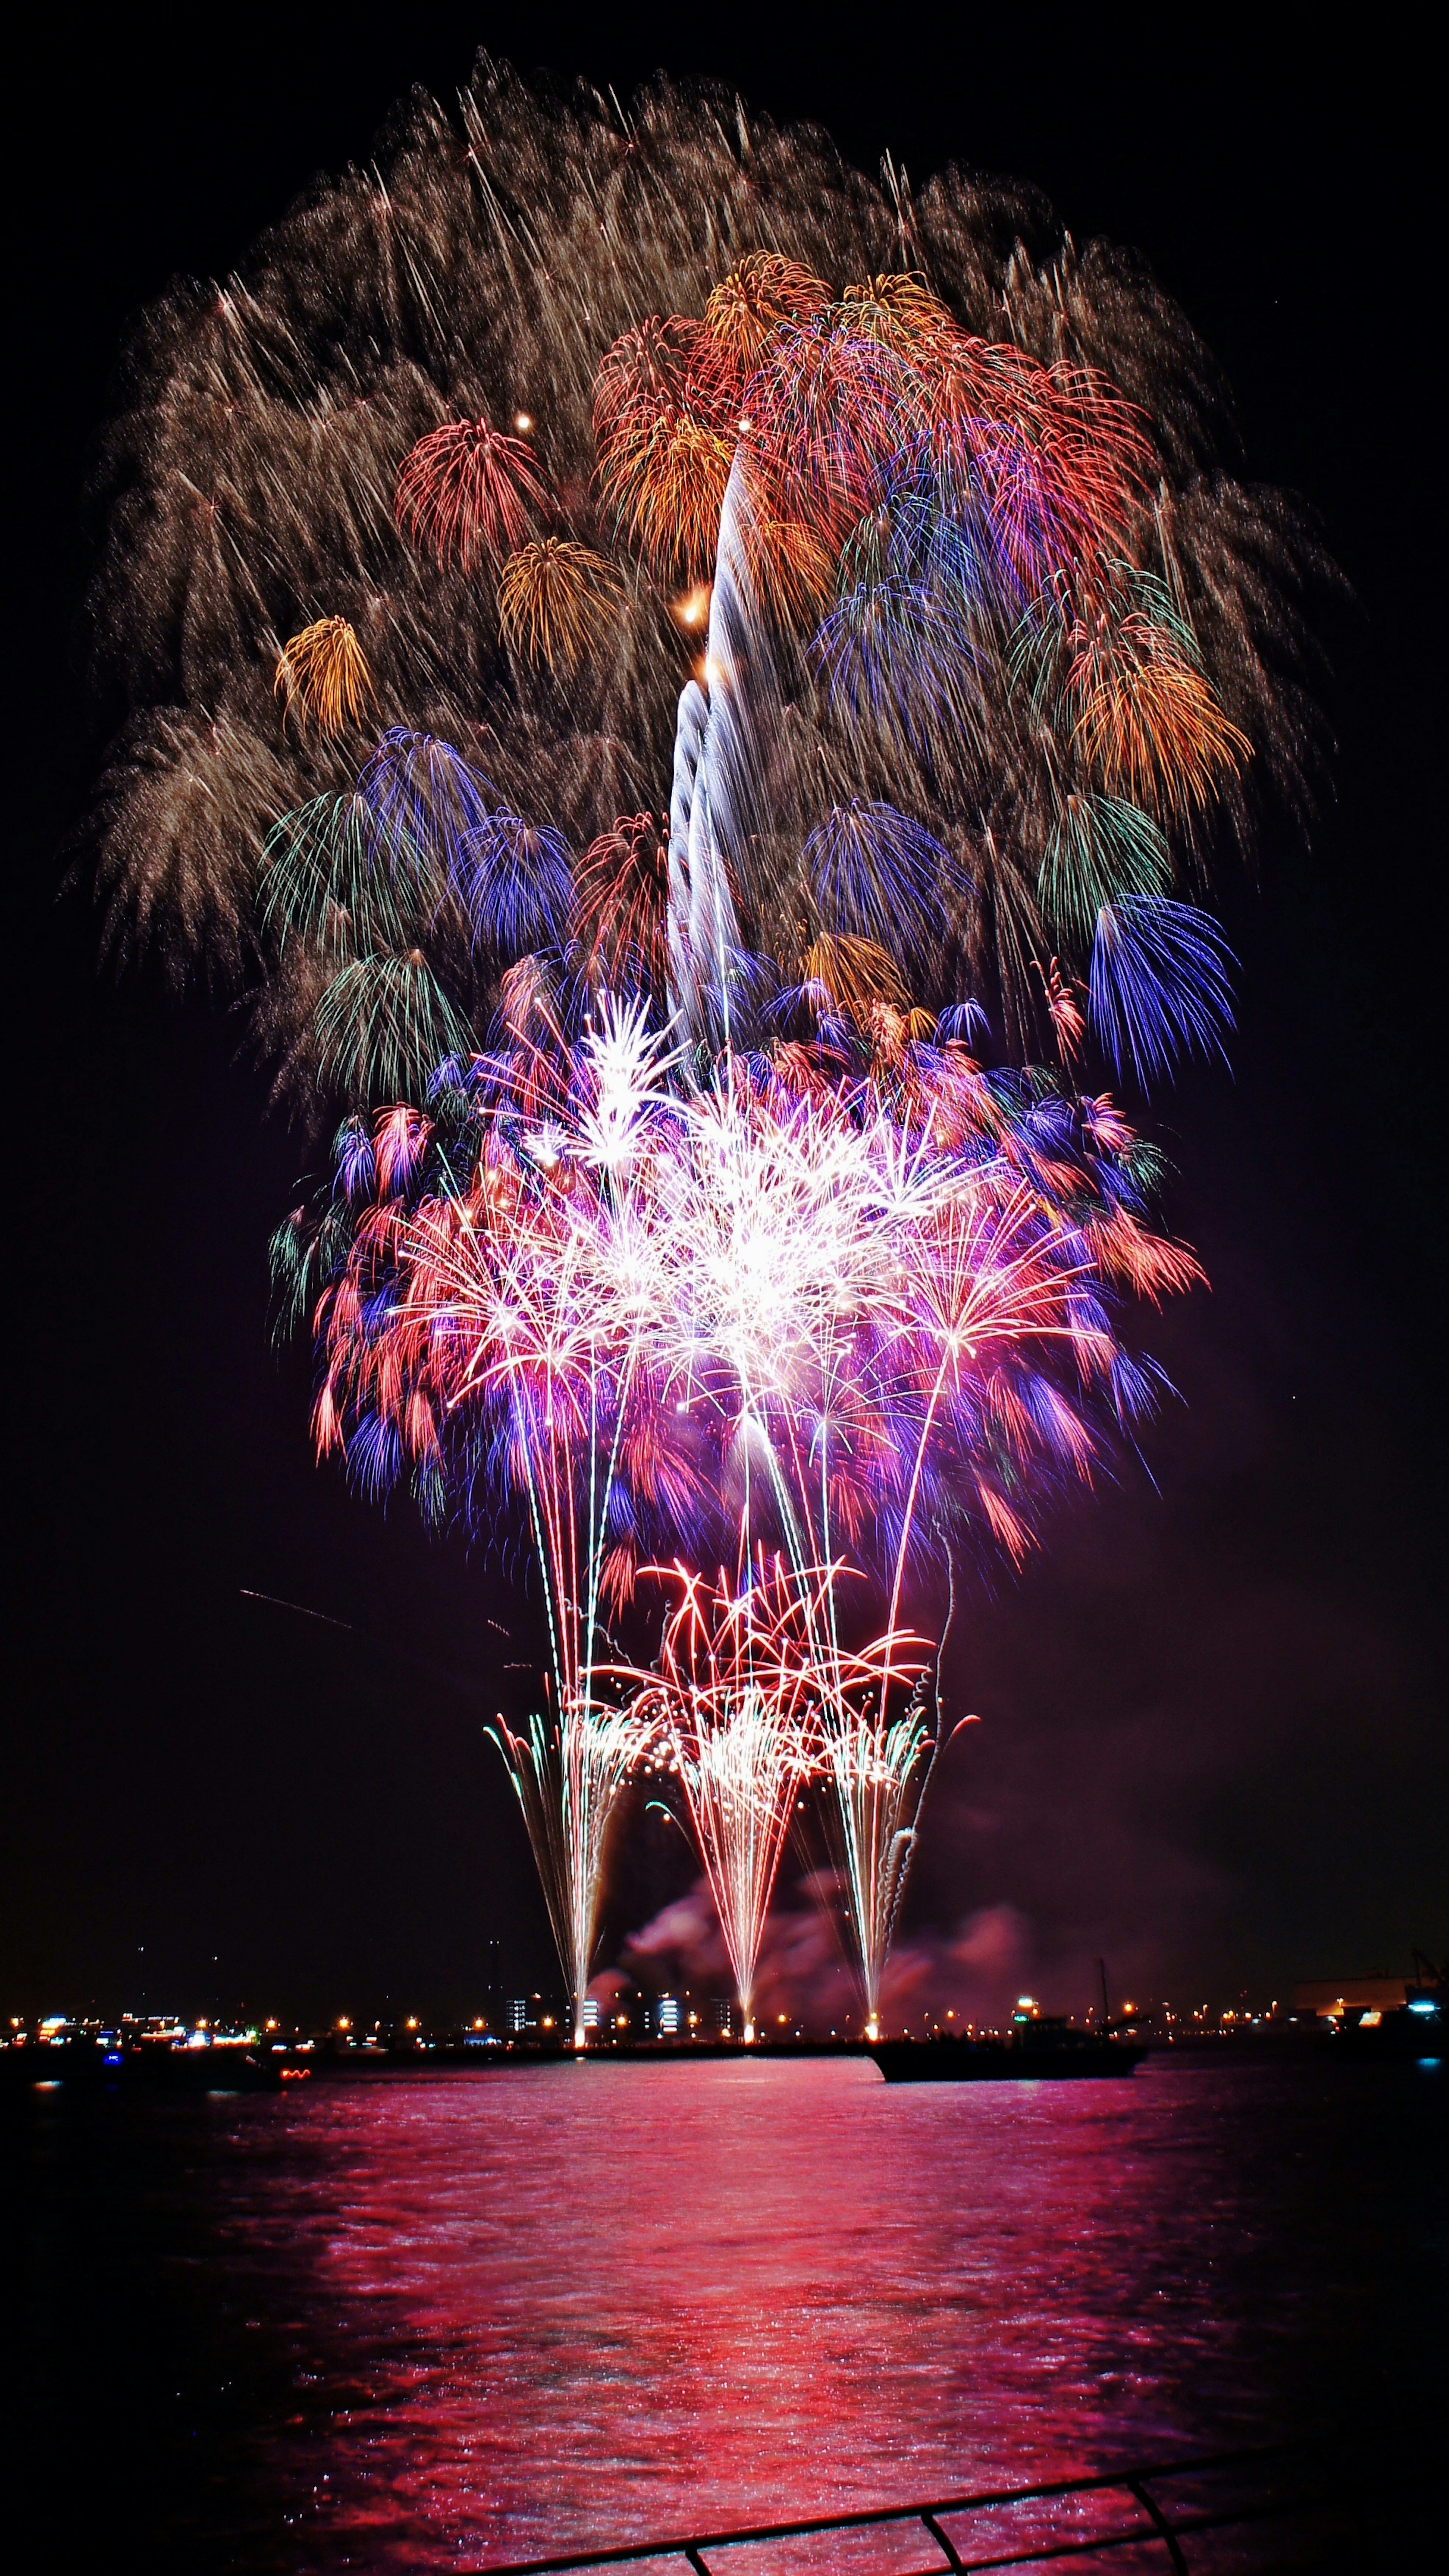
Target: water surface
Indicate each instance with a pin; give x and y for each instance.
(397, 2324)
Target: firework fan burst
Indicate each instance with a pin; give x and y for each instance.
(752, 1697)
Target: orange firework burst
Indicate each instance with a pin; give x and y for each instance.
(1147, 719)
(900, 310)
(791, 564)
(323, 670)
(555, 600)
(663, 475)
(747, 307)
(856, 976)
(466, 490)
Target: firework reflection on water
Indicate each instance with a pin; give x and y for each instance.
(558, 2308)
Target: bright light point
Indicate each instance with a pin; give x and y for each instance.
(749, 2034)
(872, 2030)
(523, 422)
(691, 609)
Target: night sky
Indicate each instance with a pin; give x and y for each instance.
(1211, 1742)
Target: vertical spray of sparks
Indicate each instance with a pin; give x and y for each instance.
(742, 1708)
(877, 1767)
(568, 1772)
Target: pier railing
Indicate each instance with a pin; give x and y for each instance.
(1256, 2510)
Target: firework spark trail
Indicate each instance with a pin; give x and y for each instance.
(878, 1767)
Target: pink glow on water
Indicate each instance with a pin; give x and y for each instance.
(595, 2304)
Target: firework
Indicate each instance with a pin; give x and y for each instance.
(663, 475)
(867, 1319)
(555, 601)
(466, 1338)
(621, 905)
(1149, 726)
(675, 1197)
(743, 313)
(878, 1767)
(466, 492)
(323, 670)
(569, 1776)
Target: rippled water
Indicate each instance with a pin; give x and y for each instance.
(455, 2322)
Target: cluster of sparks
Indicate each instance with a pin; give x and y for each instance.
(684, 1193)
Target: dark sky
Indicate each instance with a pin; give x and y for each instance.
(1212, 1724)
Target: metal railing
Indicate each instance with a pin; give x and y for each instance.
(1157, 2510)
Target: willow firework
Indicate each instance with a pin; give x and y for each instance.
(1005, 605)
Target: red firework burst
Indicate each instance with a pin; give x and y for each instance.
(466, 490)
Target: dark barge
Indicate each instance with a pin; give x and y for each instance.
(1044, 2048)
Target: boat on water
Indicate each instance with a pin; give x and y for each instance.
(1039, 2047)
